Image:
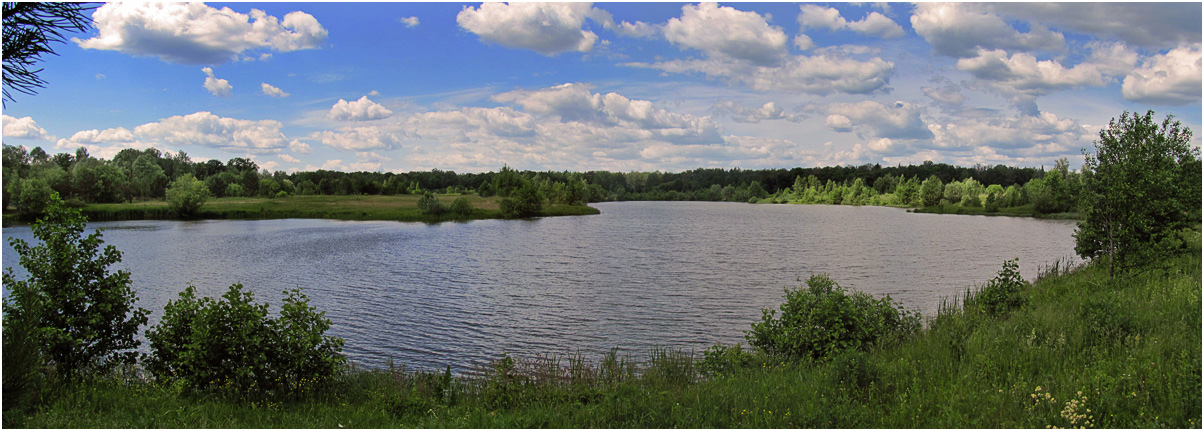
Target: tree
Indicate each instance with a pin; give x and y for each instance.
(1143, 186)
(84, 316)
(931, 191)
(524, 202)
(147, 177)
(29, 30)
(187, 195)
(34, 196)
(429, 204)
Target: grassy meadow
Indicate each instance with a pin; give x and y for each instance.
(374, 207)
(1084, 351)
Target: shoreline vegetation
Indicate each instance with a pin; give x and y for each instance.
(1081, 349)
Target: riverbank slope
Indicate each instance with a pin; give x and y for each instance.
(365, 207)
(1085, 350)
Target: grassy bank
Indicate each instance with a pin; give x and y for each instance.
(376, 207)
(1085, 350)
(1020, 211)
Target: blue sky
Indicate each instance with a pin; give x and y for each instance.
(614, 86)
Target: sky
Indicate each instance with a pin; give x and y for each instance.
(399, 87)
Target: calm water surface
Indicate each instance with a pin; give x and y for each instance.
(640, 275)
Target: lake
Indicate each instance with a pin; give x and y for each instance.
(640, 275)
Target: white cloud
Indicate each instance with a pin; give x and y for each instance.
(218, 87)
(948, 94)
(727, 33)
(194, 33)
(738, 113)
(819, 74)
(1154, 25)
(874, 24)
(547, 28)
(368, 156)
(1022, 73)
(741, 47)
(106, 136)
(1168, 79)
(575, 102)
(360, 110)
(24, 128)
(410, 22)
(208, 130)
(288, 158)
(271, 90)
(298, 147)
(358, 138)
(900, 120)
(958, 29)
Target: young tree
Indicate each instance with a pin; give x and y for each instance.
(931, 191)
(1143, 186)
(186, 195)
(84, 315)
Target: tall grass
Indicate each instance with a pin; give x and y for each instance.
(1083, 349)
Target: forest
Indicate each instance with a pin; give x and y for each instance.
(139, 175)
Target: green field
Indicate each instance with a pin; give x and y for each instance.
(1086, 350)
(375, 207)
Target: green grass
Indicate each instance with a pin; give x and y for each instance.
(1020, 211)
(398, 208)
(1130, 345)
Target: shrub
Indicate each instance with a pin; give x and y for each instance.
(430, 205)
(1002, 293)
(825, 319)
(460, 206)
(186, 195)
(233, 345)
(721, 360)
(524, 202)
(83, 317)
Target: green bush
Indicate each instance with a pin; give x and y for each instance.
(233, 346)
(527, 201)
(824, 319)
(186, 195)
(721, 360)
(430, 205)
(1002, 293)
(460, 206)
(82, 316)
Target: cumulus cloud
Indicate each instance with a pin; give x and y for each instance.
(741, 47)
(1169, 79)
(358, 138)
(546, 28)
(288, 158)
(24, 128)
(272, 91)
(359, 110)
(1022, 73)
(1024, 136)
(1145, 24)
(575, 102)
(409, 22)
(725, 32)
(874, 24)
(298, 147)
(205, 129)
(948, 94)
(738, 113)
(218, 87)
(194, 33)
(822, 74)
(958, 30)
(900, 120)
(200, 128)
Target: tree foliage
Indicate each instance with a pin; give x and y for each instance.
(84, 314)
(187, 195)
(233, 345)
(824, 319)
(29, 30)
(526, 201)
(1143, 186)
(429, 204)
